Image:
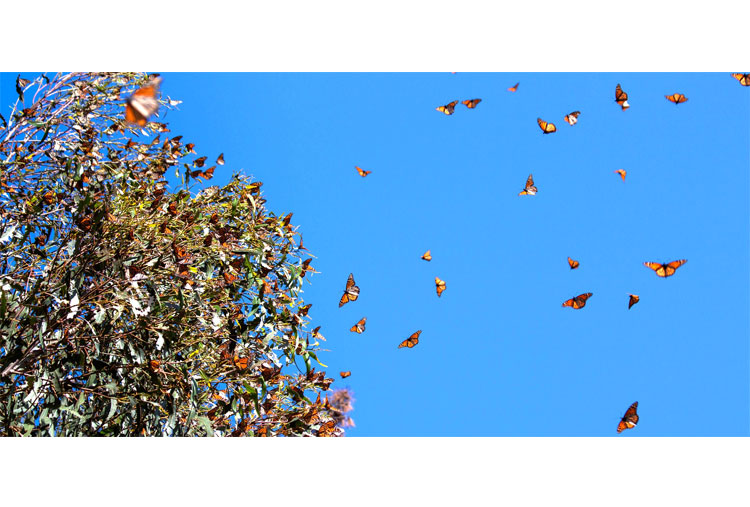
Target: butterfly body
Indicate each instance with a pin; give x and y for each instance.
(677, 98)
(665, 270)
(411, 341)
(471, 104)
(578, 302)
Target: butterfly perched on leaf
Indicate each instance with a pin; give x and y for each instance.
(547, 128)
(448, 108)
(633, 300)
(362, 172)
(143, 103)
(345, 374)
(572, 118)
(573, 264)
(630, 419)
(677, 98)
(439, 286)
(514, 87)
(411, 341)
(665, 270)
(622, 173)
(744, 79)
(351, 292)
(621, 98)
(530, 189)
(359, 327)
(327, 429)
(578, 302)
(471, 104)
(427, 256)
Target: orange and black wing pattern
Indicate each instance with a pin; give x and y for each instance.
(578, 302)
(665, 270)
(359, 327)
(633, 300)
(345, 374)
(439, 286)
(471, 104)
(427, 256)
(572, 118)
(362, 172)
(448, 108)
(677, 98)
(621, 98)
(573, 264)
(530, 189)
(514, 88)
(630, 419)
(411, 341)
(547, 128)
(143, 103)
(744, 79)
(622, 173)
(351, 292)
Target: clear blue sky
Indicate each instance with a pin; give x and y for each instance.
(498, 355)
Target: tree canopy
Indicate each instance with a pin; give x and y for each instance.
(130, 309)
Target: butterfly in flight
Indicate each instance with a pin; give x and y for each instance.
(547, 128)
(345, 374)
(621, 98)
(530, 188)
(622, 173)
(633, 300)
(677, 98)
(578, 302)
(362, 172)
(439, 286)
(351, 292)
(572, 118)
(220, 160)
(359, 327)
(411, 341)
(665, 270)
(448, 108)
(630, 419)
(744, 79)
(514, 88)
(427, 256)
(573, 264)
(143, 103)
(471, 104)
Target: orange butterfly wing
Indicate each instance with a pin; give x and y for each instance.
(142, 103)
(359, 327)
(665, 270)
(351, 292)
(630, 419)
(573, 264)
(345, 374)
(622, 173)
(578, 302)
(439, 286)
(677, 98)
(514, 87)
(633, 300)
(427, 256)
(362, 172)
(471, 104)
(411, 341)
(448, 108)
(621, 98)
(572, 118)
(744, 79)
(547, 128)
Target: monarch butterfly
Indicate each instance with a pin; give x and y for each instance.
(573, 264)
(229, 278)
(572, 118)
(547, 128)
(630, 419)
(471, 104)
(448, 108)
(514, 88)
(633, 300)
(327, 429)
(427, 256)
(530, 188)
(143, 103)
(200, 162)
(240, 362)
(621, 98)
(677, 98)
(361, 172)
(665, 270)
(359, 327)
(411, 341)
(345, 374)
(303, 310)
(744, 79)
(578, 302)
(351, 292)
(316, 333)
(220, 160)
(306, 267)
(622, 173)
(439, 286)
